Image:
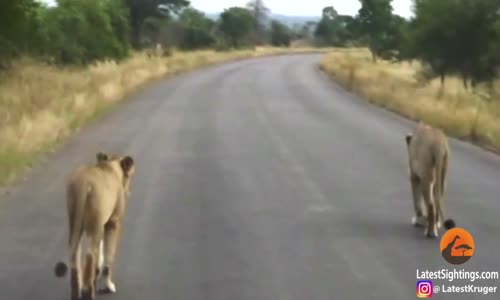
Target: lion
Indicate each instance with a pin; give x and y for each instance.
(96, 198)
(428, 155)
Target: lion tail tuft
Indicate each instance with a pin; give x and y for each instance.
(449, 224)
(60, 269)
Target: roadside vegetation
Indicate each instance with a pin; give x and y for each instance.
(63, 66)
(441, 66)
(462, 113)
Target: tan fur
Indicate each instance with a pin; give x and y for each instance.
(96, 203)
(428, 155)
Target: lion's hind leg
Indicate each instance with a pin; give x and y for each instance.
(420, 217)
(91, 264)
(76, 273)
(111, 236)
(100, 260)
(431, 230)
(75, 265)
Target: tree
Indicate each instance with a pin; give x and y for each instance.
(327, 27)
(280, 34)
(405, 41)
(140, 10)
(119, 21)
(197, 29)
(237, 24)
(375, 20)
(433, 42)
(16, 27)
(261, 16)
(464, 248)
(151, 31)
(334, 29)
(458, 36)
(479, 59)
(85, 31)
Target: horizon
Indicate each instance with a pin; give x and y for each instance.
(286, 8)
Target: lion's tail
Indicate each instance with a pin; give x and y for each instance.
(77, 199)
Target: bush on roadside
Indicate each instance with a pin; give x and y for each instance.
(85, 31)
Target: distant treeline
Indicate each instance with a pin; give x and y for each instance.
(79, 32)
(451, 37)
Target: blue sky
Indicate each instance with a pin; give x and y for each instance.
(296, 7)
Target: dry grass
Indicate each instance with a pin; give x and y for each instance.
(41, 105)
(458, 111)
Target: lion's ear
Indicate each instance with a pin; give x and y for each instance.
(408, 138)
(127, 164)
(101, 156)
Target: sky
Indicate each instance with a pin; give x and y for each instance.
(296, 7)
(301, 8)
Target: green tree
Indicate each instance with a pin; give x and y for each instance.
(197, 29)
(376, 24)
(430, 38)
(17, 27)
(261, 16)
(326, 29)
(280, 34)
(405, 41)
(237, 24)
(151, 31)
(84, 31)
(140, 10)
(334, 29)
(119, 21)
(458, 36)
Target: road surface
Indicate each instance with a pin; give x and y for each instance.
(258, 179)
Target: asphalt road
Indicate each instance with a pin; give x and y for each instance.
(256, 180)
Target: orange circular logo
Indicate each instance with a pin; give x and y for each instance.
(457, 246)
